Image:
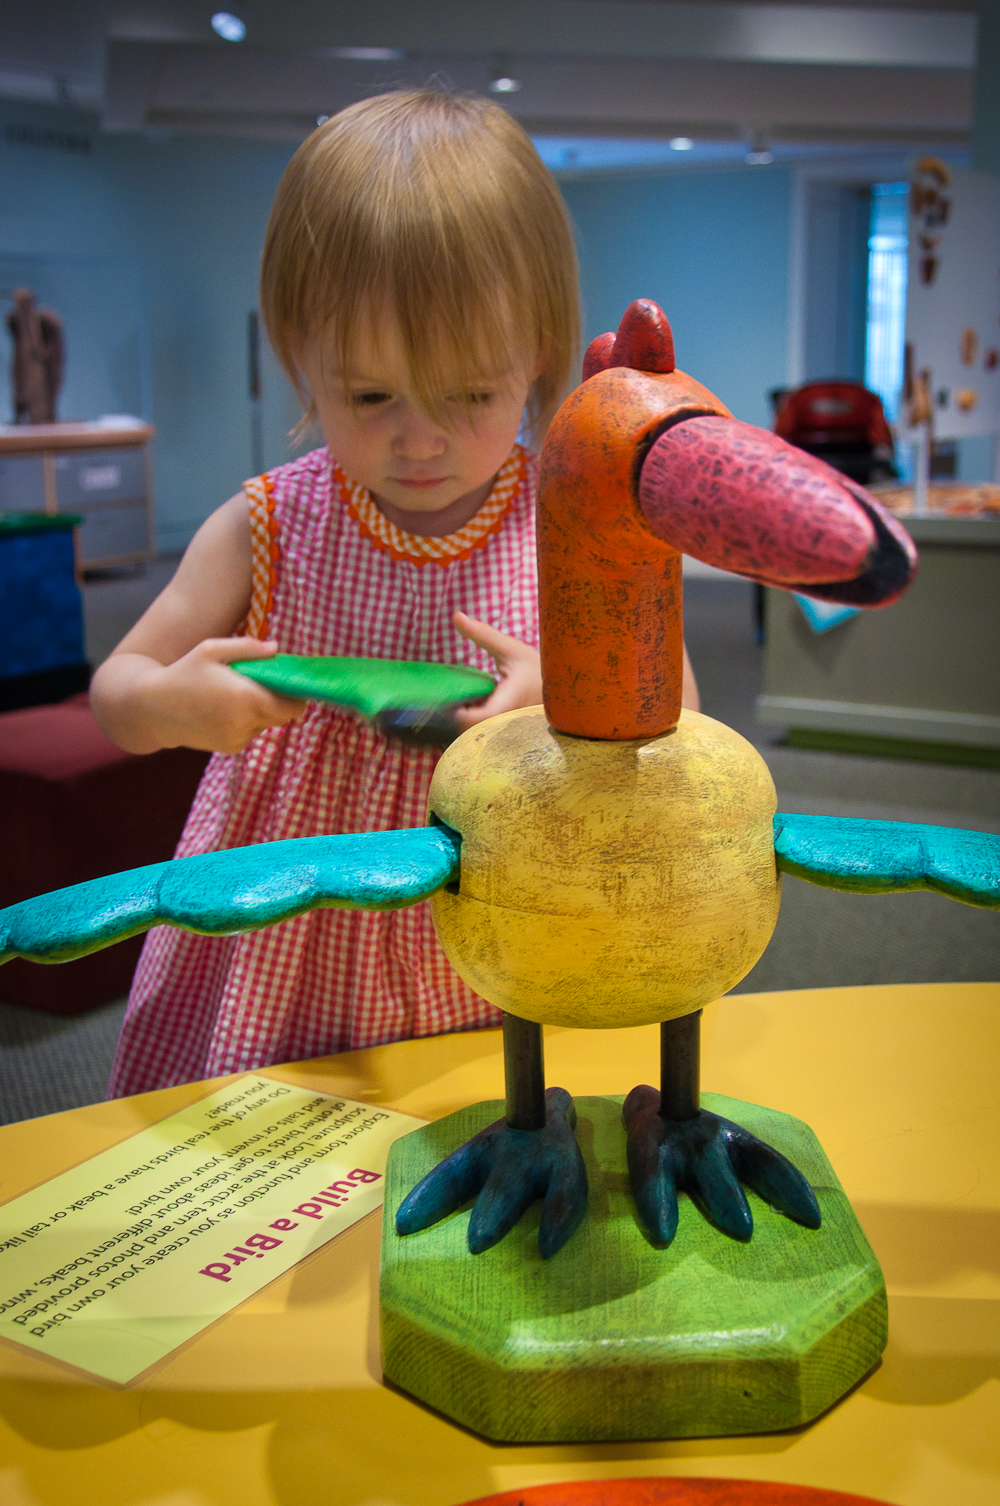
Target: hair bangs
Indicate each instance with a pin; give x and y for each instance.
(435, 209)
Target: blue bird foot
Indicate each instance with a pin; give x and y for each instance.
(707, 1157)
(506, 1170)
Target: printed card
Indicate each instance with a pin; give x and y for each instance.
(112, 1265)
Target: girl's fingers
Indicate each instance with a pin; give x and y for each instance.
(508, 696)
(521, 687)
(232, 650)
(274, 709)
(499, 645)
(280, 709)
(471, 716)
(519, 666)
(270, 708)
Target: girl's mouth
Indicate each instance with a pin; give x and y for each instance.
(420, 484)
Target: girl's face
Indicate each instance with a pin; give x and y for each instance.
(426, 476)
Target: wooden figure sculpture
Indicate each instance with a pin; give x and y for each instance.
(37, 365)
(608, 860)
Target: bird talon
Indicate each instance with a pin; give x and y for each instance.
(707, 1157)
(506, 1170)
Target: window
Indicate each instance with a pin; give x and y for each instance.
(885, 329)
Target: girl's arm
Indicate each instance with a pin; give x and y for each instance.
(689, 686)
(520, 673)
(167, 683)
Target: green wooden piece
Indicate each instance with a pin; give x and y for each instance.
(611, 1339)
(237, 889)
(37, 522)
(890, 857)
(368, 685)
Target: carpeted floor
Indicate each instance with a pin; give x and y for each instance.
(823, 938)
(49, 1064)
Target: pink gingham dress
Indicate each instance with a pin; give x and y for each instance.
(331, 576)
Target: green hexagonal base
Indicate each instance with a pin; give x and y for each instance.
(612, 1339)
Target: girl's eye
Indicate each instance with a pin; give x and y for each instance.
(371, 399)
(473, 399)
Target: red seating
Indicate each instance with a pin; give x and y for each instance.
(830, 413)
(73, 807)
(842, 423)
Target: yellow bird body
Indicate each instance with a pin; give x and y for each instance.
(606, 884)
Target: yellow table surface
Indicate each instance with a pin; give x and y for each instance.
(281, 1401)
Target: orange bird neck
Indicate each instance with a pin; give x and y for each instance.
(609, 590)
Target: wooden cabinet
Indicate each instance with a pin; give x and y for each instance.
(99, 471)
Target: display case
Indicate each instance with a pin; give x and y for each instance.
(99, 471)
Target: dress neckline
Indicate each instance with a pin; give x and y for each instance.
(418, 549)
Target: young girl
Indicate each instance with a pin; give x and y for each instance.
(419, 286)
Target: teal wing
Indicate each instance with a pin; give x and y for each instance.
(240, 889)
(368, 685)
(886, 857)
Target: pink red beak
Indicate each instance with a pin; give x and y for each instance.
(746, 501)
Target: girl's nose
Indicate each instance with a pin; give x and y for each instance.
(419, 438)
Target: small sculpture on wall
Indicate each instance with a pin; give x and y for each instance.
(37, 365)
(930, 206)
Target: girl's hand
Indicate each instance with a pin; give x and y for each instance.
(197, 701)
(518, 666)
(168, 683)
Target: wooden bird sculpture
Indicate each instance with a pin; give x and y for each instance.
(609, 859)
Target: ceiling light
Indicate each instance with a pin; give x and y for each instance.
(759, 152)
(681, 144)
(229, 27)
(502, 80)
(365, 54)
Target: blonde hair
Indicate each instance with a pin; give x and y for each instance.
(436, 207)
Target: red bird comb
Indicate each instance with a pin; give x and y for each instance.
(644, 341)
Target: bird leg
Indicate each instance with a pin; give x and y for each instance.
(529, 1155)
(675, 1144)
